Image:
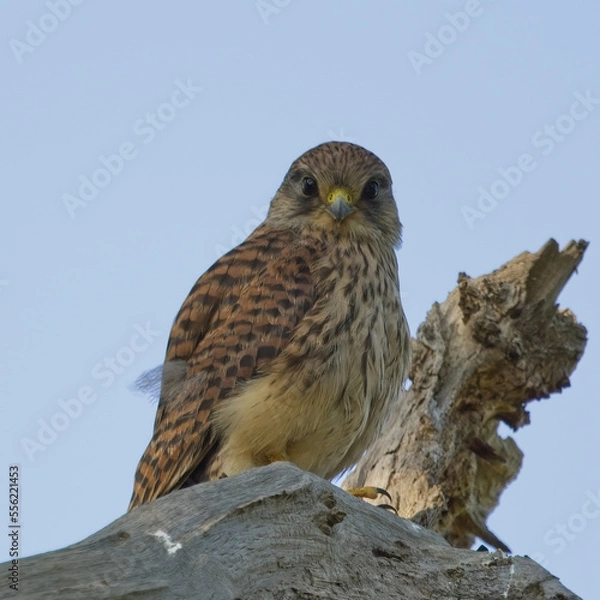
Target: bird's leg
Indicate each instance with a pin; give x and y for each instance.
(369, 492)
(372, 493)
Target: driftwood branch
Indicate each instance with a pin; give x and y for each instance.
(496, 343)
(275, 533)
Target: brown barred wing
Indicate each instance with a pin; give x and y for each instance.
(237, 318)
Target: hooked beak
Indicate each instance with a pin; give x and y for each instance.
(339, 204)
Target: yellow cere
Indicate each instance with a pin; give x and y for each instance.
(337, 192)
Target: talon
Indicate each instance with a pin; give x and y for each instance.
(369, 492)
(383, 492)
(388, 507)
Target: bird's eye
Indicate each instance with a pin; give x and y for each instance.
(371, 190)
(309, 186)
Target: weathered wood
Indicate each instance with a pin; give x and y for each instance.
(496, 343)
(274, 533)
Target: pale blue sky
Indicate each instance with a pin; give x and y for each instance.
(77, 285)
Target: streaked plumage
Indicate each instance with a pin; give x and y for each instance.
(293, 345)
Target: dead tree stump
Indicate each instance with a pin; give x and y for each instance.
(496, 343)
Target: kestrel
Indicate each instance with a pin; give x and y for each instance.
(293, 345)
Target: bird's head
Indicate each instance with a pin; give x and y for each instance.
(339, 188)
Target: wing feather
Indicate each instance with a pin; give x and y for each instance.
(238, 317)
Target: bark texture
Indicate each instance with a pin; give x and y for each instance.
(275, 533)
(496, 343)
